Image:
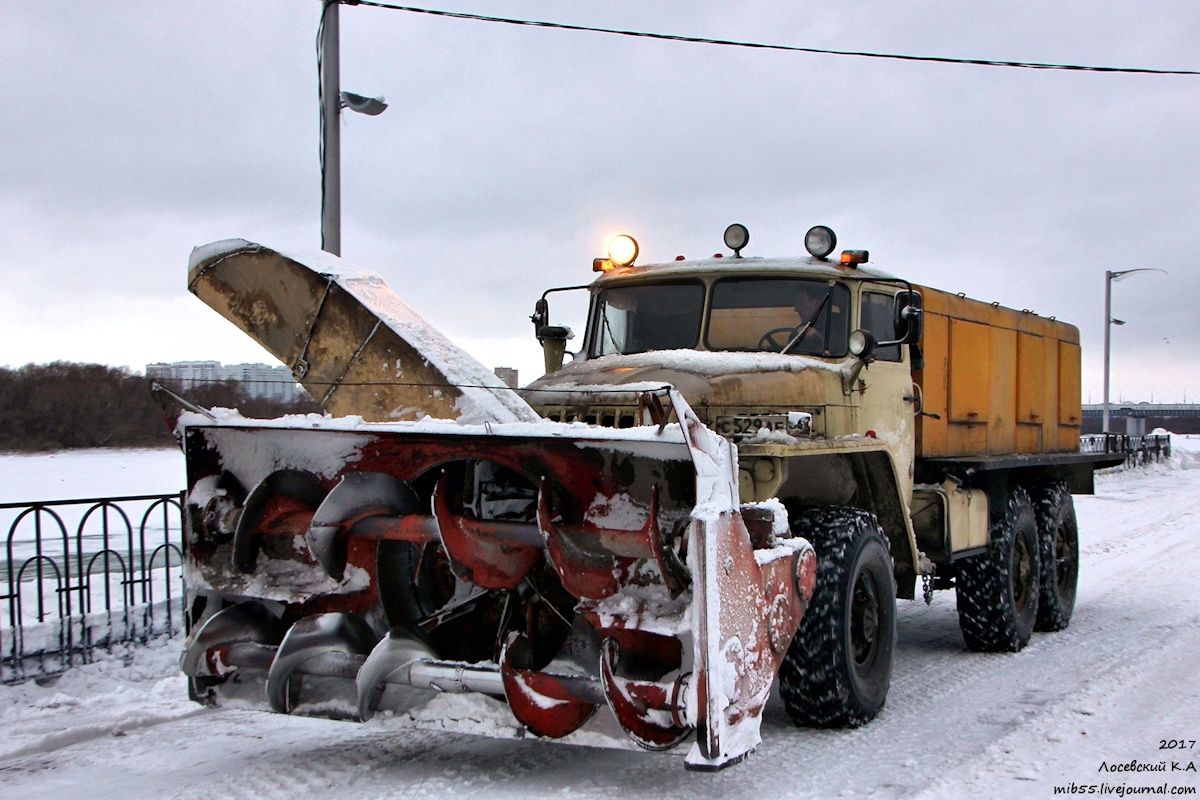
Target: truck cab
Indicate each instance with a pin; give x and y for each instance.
(945, 427)
(806, 363)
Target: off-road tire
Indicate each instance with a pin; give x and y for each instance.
(997, 591)
(1058, 539)
(837, 670)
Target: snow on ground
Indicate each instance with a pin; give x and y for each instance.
(1107, 691)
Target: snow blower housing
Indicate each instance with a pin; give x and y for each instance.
(635, 529)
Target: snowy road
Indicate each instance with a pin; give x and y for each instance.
(1124, 676)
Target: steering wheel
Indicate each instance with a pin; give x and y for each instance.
(768, 341)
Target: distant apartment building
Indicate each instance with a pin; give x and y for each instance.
(186, 374)
(509, 376)
(257, 380)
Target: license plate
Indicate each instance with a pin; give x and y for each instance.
(796, 423)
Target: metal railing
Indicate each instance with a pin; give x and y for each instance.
(81, 575)
(1138, 450)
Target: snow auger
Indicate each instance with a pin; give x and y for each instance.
(561, 567)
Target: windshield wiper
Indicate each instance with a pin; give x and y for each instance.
(608, 330)
(806, 327)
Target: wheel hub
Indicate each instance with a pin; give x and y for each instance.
(864, 622)
(1064, 558)
(1022, 573)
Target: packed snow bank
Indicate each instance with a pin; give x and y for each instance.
(132, 687)
(1185, 451)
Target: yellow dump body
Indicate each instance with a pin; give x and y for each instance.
(1001, 381)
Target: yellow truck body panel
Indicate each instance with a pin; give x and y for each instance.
(1000, 381)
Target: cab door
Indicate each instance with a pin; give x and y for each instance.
(885, 386)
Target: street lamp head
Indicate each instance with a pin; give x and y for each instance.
(1125, 273)
(1116, 321)
(371, 106)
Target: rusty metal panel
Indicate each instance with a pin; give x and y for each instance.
(348, 339)
(970, 372)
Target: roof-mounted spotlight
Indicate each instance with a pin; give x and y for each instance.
(371, 106)
(622, 250)
(820, 241)
(736, 237)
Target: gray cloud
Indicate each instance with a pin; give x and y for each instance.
(134, 131)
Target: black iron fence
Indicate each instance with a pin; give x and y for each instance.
(86, 575)
(1138, 450)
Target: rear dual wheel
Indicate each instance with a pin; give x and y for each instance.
(998, 592)
(1058, 541)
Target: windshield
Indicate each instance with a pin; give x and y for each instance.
(776, 315)
(636, 319)
(780, 315)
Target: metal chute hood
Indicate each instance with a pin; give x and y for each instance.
(350, 341)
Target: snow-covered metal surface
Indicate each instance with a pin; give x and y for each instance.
(356, 346)
(288, 517)
(748, 265)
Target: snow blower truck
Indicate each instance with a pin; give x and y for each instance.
(729, 485)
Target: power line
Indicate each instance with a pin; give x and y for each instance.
(671, 37)
(423, 384)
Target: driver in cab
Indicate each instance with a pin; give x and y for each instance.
(811, 336)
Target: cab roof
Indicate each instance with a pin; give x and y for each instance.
(807, 266)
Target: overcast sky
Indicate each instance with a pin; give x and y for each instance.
(134, 131)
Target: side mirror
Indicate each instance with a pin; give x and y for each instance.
(907, 318)
(553, 338)
(540, 315)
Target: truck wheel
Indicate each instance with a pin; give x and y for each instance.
(998, 590)
(837, 671)
(1058, 538)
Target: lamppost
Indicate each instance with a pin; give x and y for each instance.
(333, 100)
(1109, 278)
